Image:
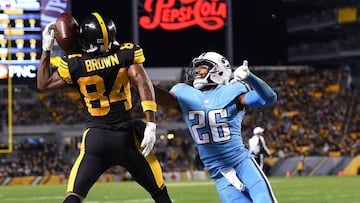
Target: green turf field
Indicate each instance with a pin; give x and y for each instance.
(292, 190)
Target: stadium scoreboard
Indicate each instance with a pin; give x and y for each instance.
(20, 49)
(20, 37)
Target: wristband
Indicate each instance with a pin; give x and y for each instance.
(149, 106)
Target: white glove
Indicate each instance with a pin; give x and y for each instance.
(241, 73)
(48, 36)
(149, 139)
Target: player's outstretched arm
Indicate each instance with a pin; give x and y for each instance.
(261, 95)
(165, 98)
(261, 89)
(46, 80)
(143, 84)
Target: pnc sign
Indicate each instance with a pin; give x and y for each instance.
(166, 14)
(18, 71)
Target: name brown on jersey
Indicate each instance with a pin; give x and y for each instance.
(101, 63)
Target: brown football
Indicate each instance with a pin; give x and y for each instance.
(66, 33)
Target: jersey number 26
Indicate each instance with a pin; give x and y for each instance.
(216, 130)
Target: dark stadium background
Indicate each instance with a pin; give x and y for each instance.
(259, 33)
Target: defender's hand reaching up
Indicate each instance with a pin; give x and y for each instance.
(242, 72)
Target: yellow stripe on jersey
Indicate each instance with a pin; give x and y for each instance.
(139, 56)
(104, 30)
(64, 72)
(75, 168)
(74, 55)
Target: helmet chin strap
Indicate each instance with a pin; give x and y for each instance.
(200, 83)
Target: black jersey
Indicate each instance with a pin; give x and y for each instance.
(103, 83)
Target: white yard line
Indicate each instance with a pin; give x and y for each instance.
(34, 198)
(181, 184)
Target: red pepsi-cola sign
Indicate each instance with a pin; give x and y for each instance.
(182, 14)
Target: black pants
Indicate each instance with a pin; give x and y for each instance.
(259, 158)
(101, 149)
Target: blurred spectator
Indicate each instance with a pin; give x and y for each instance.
(257, 146)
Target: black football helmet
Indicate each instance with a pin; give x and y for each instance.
(97, 33)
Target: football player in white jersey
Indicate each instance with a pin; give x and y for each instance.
(213, 108)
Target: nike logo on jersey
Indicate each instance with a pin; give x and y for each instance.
(101, 63)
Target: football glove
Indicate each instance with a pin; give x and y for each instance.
(149, 139)
(48, 36)
(241, 73)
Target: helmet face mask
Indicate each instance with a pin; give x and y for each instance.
(97, 34)
(219, 70)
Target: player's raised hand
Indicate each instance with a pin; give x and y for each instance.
(149, 139)
(48, 36)
(241, 73)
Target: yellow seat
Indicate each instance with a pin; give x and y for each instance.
(334, 153)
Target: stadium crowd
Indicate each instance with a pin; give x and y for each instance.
(308, 119)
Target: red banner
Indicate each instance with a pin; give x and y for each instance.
(209, 15)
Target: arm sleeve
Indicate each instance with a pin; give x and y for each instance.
(261, 95)
(64, 71)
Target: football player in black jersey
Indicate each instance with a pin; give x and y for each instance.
(102, 73)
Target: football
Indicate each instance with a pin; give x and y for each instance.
(66, 33)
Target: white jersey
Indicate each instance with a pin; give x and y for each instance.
(254, 145)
